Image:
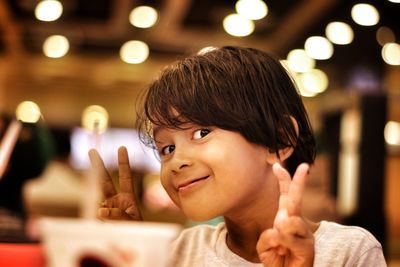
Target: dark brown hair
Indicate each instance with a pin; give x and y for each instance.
(238, 89)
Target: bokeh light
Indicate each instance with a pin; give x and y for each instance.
(251, 9)
(339, 33)
(237, 25)
(56, 46)
(385, 35)
(365, 14)
(134, 52)
(391, 53)
(299, 61)
(48, 10)
(143, 17)
(392, 133)
(318, 47)
(28, 111)
(95, 119)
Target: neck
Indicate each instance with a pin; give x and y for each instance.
(246, 225)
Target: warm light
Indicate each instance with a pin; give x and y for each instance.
(48, 10)
(391, 53)
(318, 47)
(302, 89)
(365, 14)
(252, 9)
(392, 133)
(206, 50)
(349, 162)
(299, 61)
(134, 52)
(95, 119)
(238, 25)
(28, 111)
(385, 35)
(394, 1)
(314, 81)
(55, 46)
(143, 17)
(339, 33)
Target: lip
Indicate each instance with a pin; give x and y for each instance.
(186, 185)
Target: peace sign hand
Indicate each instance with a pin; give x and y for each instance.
(117, 205)
(290, 242)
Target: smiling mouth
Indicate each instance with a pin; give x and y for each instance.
(191, 183)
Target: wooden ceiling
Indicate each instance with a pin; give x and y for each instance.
(92, 72)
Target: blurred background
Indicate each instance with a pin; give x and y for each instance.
(78, 61)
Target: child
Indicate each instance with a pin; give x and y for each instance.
(224, 123)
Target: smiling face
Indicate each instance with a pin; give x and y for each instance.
(210, 172)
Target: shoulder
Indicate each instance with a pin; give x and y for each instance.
(331, 231)
(345, 244)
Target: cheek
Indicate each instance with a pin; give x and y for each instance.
(166, 183)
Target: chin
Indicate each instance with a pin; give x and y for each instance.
(197, 216)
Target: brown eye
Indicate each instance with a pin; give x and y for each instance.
(200, 133)
(167, 149)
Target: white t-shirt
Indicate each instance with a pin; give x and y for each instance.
(335, 245)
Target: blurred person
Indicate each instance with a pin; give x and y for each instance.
(31, 153)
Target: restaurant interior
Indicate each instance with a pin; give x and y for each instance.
(66, 64)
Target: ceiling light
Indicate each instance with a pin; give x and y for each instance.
(48, 10)
(56, 46)
(392, 133)
(238, 25)
(299, 61)
(365, 14)
(339, 33)
(315, 81)
(134, 52)
(318, 47)
(391, 53)
(143, 17)
(252, 9)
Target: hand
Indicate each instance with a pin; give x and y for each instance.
(290, 242)
(122, 205)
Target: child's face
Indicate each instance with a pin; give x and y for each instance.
(210, 172)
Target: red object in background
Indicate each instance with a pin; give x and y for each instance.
(21, 255)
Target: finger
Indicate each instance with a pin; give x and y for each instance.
(268, 249)
(112, 214)
(125, 175)
(296, 189)
(105, 178)
(294, 226)
(267, 241)
(284, 180)
(134, 213)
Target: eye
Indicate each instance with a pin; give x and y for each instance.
(200, 133)
(167, 150)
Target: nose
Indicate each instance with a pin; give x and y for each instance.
(181, 160)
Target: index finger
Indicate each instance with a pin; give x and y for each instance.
(106, 182)
(291, 190)
(125, 175)
(296, 189)
(284, 184)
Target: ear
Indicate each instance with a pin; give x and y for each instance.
(283, 153)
